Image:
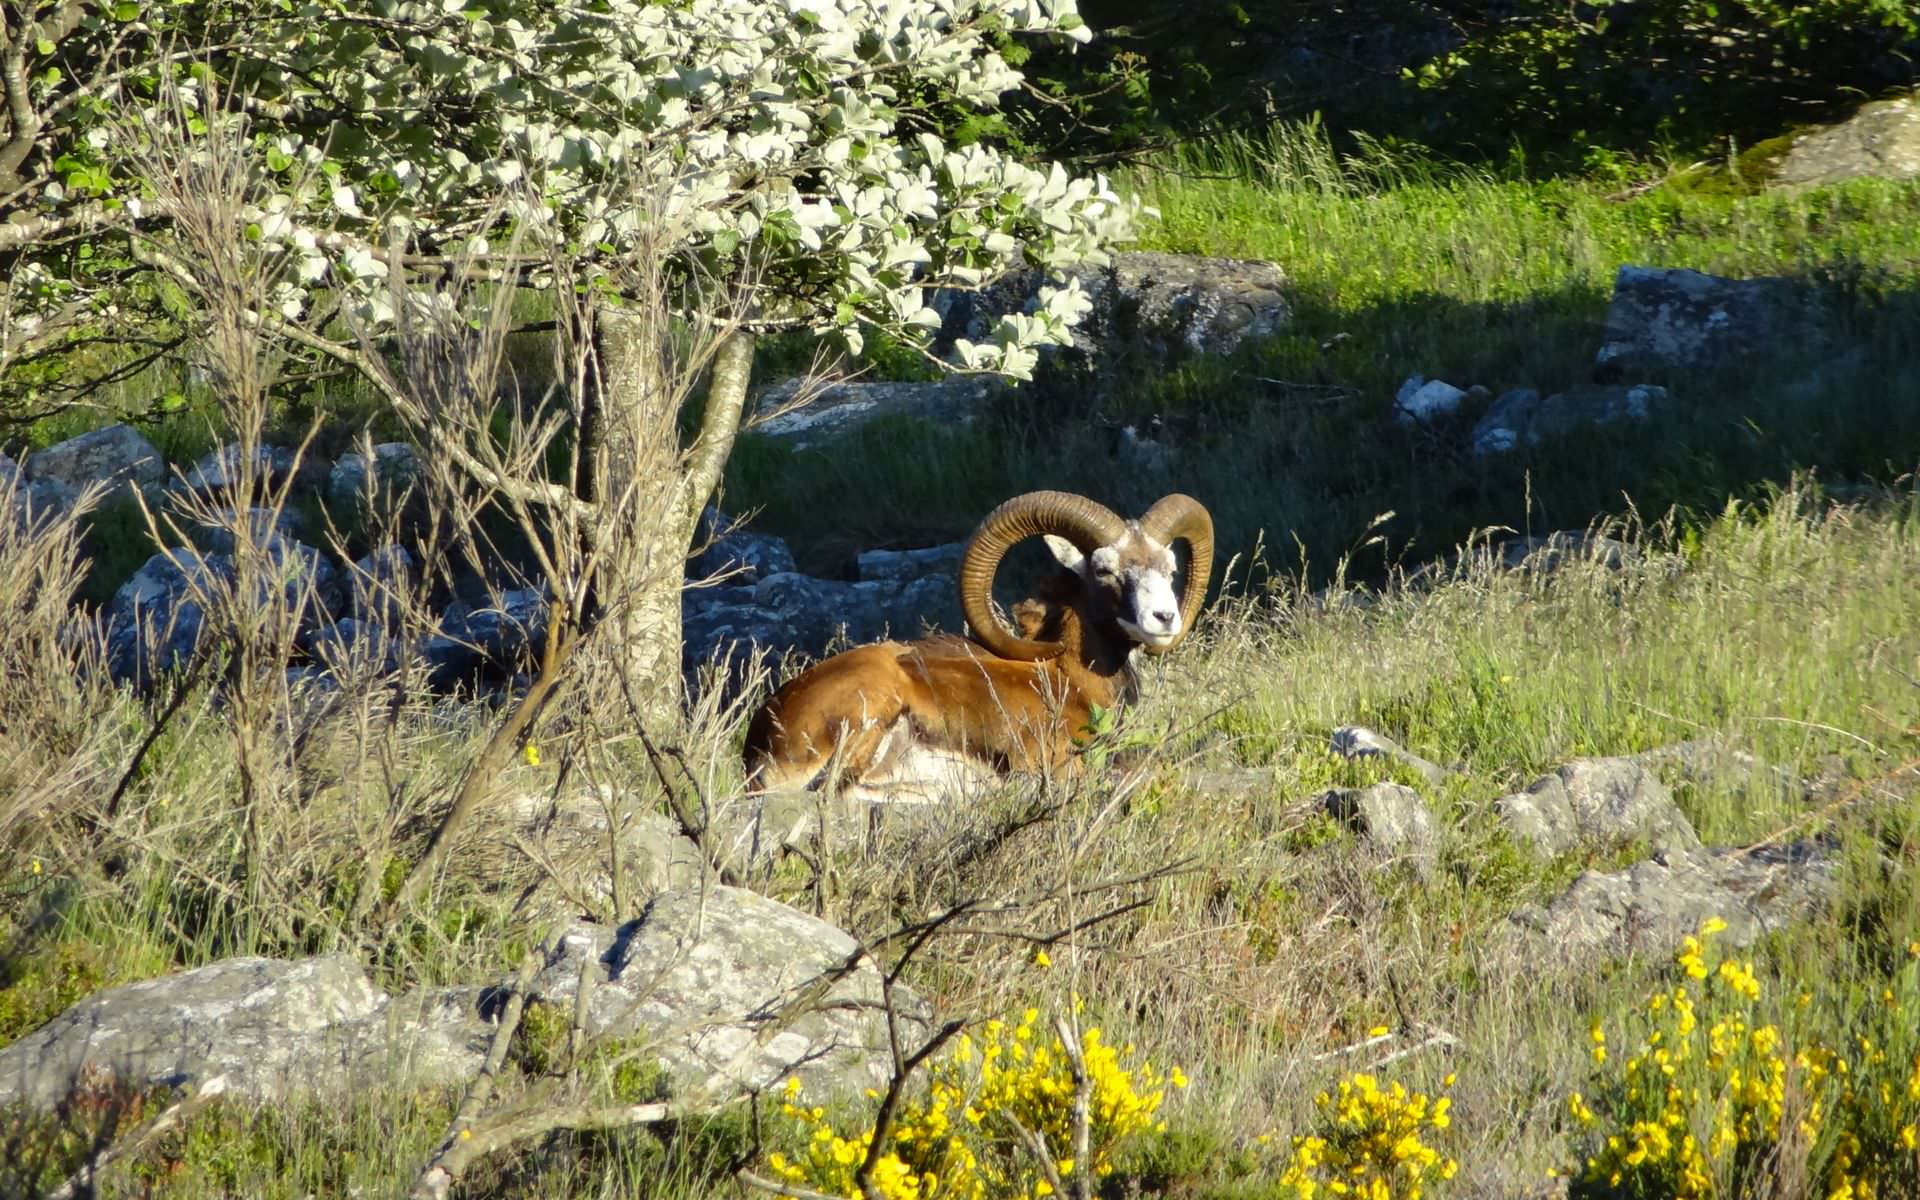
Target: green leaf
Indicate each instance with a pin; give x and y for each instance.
(127, 10)
(44, 47)
(726, 242)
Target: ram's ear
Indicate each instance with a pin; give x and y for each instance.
(1065, 552)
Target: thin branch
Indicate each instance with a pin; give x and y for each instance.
(483, 1084)
(494, 757)
(780, 1188)
(1082, 1108)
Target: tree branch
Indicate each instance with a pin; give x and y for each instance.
(726, 397)
(23, 122)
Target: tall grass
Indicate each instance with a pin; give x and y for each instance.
(1788, 629)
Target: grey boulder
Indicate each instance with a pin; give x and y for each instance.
(1422, 401)
(1391, 816)
(221, 469)
(882, 565)
(1648, 907)
(840, 408)
(1881, 140)
(735, 555)
(270, 1029)
(392, 469)
(704, 977)
(1673, 317)
(116, 456)
(1595, 803)
(1158, 305)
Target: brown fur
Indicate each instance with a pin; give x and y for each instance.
(952, 693)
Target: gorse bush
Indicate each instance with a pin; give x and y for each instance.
(1371, 1143)
(1001, 1117)
(1732, 1092)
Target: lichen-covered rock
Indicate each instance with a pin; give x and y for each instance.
(272, 466)
(1160, 305)
(930, 604)
(393, 469)
(261, 526)
(506, 630)
(1672, 317)
(1422, 401)
(1391, 816)
(840, 408)
(116, 456)
(816, 611)
(379, 582)
(1596, 803)
(1648, 907)
(570, 833)
(273, 1030)
(881, 565)
(31, 503)
(352, 646)
(701, 976)
(156, 620)
(1881, 141)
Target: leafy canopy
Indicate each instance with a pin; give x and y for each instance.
(797, 137)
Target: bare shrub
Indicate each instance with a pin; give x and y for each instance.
(57, 733)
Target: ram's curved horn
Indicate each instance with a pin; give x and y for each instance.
(1085, 523)
(1180, 517)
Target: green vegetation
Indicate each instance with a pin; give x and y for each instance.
(1402, 265)
(1790, 628)
(1578, 88)
(1312, 1009)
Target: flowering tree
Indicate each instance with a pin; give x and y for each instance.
(774, 164)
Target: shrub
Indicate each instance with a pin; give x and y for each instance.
(998, 1118)
(1370, 1142)
(1730, 1093)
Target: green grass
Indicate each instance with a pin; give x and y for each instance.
(1783, 623)
(1401, 266)
(1790, 629)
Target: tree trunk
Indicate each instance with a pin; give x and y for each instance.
(649, 492)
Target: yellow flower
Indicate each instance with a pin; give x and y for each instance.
(1040, 959)
(532, 754)
(1377, 1031)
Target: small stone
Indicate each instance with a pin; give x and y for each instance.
(1353, 742)
(1392, 816)
(1424, 401)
